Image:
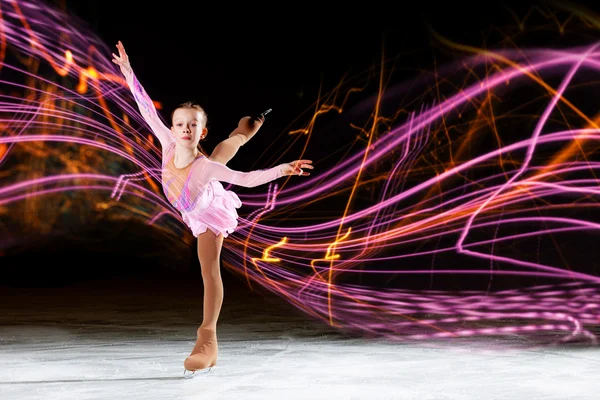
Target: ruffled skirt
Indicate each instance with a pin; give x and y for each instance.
(214, 209)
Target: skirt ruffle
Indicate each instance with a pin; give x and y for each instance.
(215, 209)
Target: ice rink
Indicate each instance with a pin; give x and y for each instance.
(122, 340)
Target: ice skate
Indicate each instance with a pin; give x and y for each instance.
(248, 126)
(204, 354)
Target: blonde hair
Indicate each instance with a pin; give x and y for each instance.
(197, 107)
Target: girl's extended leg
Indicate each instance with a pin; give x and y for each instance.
(205, 352)
(225, 150)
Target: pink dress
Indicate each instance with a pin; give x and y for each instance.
(196, 190)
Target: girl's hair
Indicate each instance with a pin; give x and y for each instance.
(197, 107)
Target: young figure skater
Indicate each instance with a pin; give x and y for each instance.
(191, 181)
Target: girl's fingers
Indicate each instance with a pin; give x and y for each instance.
(298, 165)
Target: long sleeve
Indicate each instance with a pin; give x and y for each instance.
(148, 111)
(212, 170)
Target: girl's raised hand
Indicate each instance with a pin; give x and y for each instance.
(122, 60)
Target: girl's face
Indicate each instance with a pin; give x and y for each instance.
(188, 127)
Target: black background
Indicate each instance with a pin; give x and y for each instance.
(239, 59)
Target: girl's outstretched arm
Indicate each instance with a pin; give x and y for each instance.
(212, 170)
(142, 99)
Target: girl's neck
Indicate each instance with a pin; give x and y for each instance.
(184, 157)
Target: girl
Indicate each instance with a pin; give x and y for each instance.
(191, 181)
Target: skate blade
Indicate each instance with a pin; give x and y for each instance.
(187, 374)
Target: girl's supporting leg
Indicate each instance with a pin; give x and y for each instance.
(209, 254)
(205, 352)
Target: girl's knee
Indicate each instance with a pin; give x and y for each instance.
(211, 271)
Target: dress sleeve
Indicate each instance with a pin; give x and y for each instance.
(212, 170)
(148, 110)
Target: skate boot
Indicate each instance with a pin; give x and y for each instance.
(247, 128)
(205, 352)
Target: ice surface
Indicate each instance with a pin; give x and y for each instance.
(106, 340)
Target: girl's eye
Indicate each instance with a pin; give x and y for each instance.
(178, 125)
